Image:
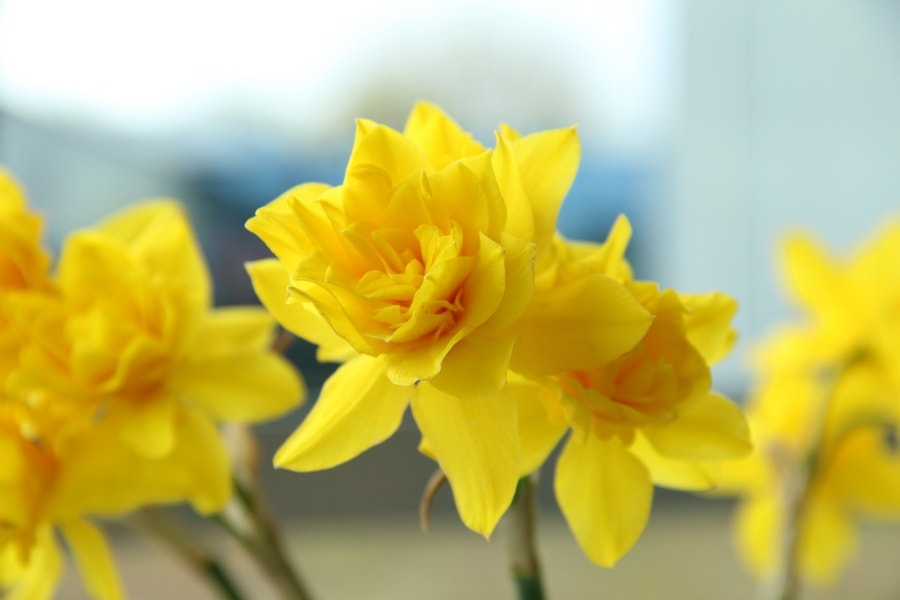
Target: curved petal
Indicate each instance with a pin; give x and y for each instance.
(758, 524)
(277, 225)
(102, 476)
(138, 230)
(390, 151)
(270, 282)
(547, 163)
(475, 368)
(245, 387)
(94, 559)
(814, 279)
(539, 428)
(708, 323)
(358, 408)
(475, 442)
(439, 136)
(146, 427)
(518, 286)
(866, 471)
(710, 427)
(605, 495)
(671, 472)
(827, 539)
(578, 325)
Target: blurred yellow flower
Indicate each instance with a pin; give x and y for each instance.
(644, 417)
(824, 415)
(118, 376)
(418, 271)
(133, 334)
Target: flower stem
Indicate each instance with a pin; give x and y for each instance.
(521, 544)
(154, 521)
(785, 585)
(796, 475)
(249, 523)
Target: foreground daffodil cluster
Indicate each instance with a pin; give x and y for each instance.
(115, 372)
(435, 275)
(825, 414)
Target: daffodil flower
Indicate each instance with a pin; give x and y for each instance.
(418, 273)
(824, 416)
(642, 418)
(120, 373)
(133, 334)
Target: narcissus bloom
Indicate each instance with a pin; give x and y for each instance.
(120, 375)
(133, 334)
(826, 452)
(418, 273)
(825, 413)
(644, 417)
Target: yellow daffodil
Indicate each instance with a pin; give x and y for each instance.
(122, 375)
(826, 453)
(644, 417)
(824, 416)
(133, 334)
(418, 273)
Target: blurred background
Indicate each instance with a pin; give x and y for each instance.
(715, 126)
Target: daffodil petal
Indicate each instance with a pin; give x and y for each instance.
(276, 223)
(245, 387)
(827, 538)
(605, 495)
(270, 281)
(671, 472)
(710, 427)
(758, 524)
(814, 279)
(519, 212)
(94, 559)
(358, 408)
(539, 431)
(139, 229)
(708, 323)
(518, 285)
(196, 470)
(548, 162)
(146, 427)
(475, 367)
(867, 472)
(438, 135)
(476, 444)
(578, 325)
(393, 153)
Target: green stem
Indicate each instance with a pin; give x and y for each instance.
(519, 524)
(156, 522)
(218, 578)
(255, 531)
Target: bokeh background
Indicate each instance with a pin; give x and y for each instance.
(715, 126)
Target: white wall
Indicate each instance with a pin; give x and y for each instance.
(787, 116)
